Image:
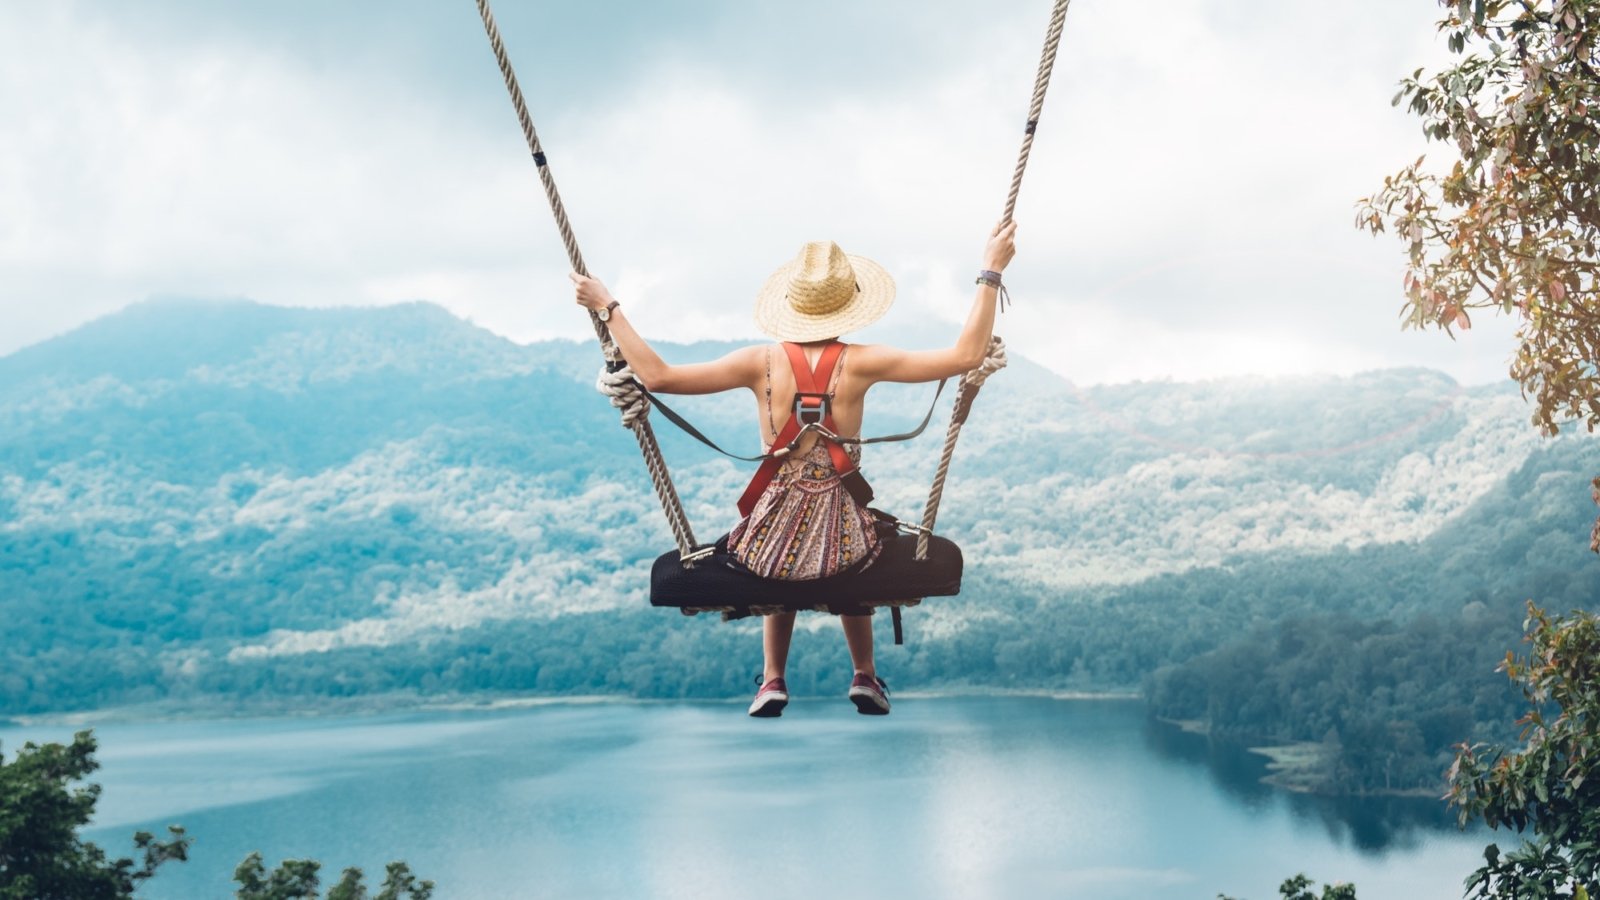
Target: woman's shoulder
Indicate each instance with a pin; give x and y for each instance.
(871, 357)
(868, 350)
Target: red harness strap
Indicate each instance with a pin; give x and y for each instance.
(806, 381)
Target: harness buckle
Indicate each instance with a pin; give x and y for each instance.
(696, 555)
(811, 409)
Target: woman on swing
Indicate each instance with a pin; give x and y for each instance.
(804, 524)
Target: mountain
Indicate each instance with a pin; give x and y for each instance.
(206, 502)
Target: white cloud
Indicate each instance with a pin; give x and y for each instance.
(1187, 212)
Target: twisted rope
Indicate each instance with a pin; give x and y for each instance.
(617, 383)
(965, 394)
(996, 360)
(624, 392)
(633, 416)
(1047, 63)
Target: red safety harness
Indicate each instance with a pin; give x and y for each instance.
(812, 406)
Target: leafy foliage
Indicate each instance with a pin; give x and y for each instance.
(1552, 783)
(296, 879)
(1299, 888)
(1383, 700)
(1515, 223)
(41, 857)
(1594, 535)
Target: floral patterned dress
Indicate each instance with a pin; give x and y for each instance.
(806, 524)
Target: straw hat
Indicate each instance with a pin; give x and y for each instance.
(823, 293)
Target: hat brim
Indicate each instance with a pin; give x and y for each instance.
(775, 316)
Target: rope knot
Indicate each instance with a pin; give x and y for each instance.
(624, 392)
(994, 362)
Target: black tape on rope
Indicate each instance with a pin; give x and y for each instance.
(538, 159)
(1032, 124)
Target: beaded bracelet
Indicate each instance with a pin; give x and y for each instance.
(992, 279)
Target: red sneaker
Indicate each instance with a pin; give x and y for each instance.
(870, 695)
(770, 700)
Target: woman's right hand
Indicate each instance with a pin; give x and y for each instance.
(589, 292)
(1002, 246)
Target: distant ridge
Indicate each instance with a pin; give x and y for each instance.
(202, 496)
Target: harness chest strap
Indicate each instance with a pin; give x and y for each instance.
(806, 381)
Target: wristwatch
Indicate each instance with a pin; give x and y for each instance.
(605, 314)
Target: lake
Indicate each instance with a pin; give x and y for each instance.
(949, 797)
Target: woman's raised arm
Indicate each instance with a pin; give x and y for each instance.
(741, 368)
(880, 362)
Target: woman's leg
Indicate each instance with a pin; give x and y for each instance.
(858, 634)
(776, 632)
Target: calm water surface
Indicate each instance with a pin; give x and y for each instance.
(947, 797)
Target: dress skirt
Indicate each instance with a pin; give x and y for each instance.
(805, 525)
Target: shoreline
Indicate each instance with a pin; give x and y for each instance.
(380, 704)
(1291, 765)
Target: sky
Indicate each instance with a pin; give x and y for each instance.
(1187, 213)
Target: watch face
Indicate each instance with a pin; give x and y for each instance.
(604, 314)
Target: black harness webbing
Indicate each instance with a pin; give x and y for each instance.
(688, 428)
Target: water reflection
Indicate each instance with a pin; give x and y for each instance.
(954, 798)
(1373, 825)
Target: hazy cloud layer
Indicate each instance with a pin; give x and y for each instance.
(1187, 212)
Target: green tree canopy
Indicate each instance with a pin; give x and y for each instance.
(41, 856)
(1511, 221)
(1299, 888)
(296, 879)
(1552, 783)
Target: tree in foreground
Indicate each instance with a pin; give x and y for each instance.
(296, 879)
(1299, 888)
(42, 857)
(1511, 222)
(1552, 784)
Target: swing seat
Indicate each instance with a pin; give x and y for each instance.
(895, 578)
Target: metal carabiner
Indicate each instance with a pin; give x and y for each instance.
(812, 413)
(794, 444)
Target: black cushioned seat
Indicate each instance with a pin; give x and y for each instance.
(895, 578)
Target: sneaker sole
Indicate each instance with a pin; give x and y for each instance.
(770, 707)
(869, 703)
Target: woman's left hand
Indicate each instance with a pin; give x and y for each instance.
(591, 294)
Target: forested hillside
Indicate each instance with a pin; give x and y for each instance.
(229, 503)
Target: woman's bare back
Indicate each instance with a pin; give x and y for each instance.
(775, 397)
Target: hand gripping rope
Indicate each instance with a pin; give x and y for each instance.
(626, 394)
